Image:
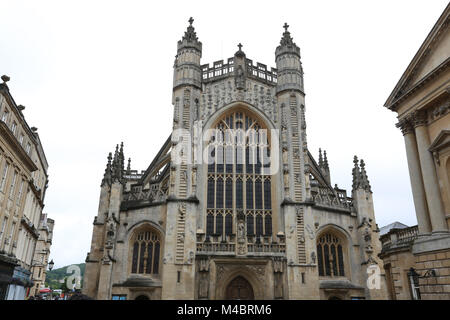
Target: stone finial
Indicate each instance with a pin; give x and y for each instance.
(5, 78)
(189, 39)
(355, 174)
(286, 40)
(190, 35)
(129, 166)
(320, 158)
(364, 179)
(325, 160)
(117, 164)
(287, 44)
(240, 53)
(107, 175)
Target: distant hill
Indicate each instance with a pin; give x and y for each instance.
(55, 276)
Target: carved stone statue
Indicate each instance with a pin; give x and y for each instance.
(286, 180)
(241, 231)
(239, 78)
(313, 257)
(285, 155)
(194, 178)
(278, 286)
(203, 285)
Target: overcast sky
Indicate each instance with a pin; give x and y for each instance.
(94, 73)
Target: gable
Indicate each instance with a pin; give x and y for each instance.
(431, 58)
(436, 56)
(441, 141)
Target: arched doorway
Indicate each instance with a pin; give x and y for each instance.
(142, 297)
(239, 289)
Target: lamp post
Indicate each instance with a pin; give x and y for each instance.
(50, 267)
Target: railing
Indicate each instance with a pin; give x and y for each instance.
(260, 71)
(407, 235)
(399, 237)
(155, 193)
(221, 69)
(265, 245)
(216, 247)
(328, 198)
(220, 244)
(217, 70)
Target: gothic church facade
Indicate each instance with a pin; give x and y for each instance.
(234, 205)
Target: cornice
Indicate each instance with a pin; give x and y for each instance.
(20, 152)
(423, 53)
(434, 73)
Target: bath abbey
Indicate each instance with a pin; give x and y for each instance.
(234, 205)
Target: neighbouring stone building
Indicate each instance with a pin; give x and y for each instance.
(234, 205)
(422, 101)
(23, 183)
(41, 254)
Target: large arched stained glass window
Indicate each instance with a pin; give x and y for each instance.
(146, 252)
(330, 256)
(238, 176)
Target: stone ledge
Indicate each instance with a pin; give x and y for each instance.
(338, 284)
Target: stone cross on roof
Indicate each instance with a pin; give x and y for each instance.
(191, 20)
(286, 26)
(240, 46)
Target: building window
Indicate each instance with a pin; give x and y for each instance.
(4, 176)
(13, 185)
(2, 230)
(237, 178)
(5, 116)
(146, 252)
(28, 148)
(19, 196)
(330, 257)
(14, 127)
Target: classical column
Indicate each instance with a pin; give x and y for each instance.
(415, 175)
(431, 184)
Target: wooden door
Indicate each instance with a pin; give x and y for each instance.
(239, 289)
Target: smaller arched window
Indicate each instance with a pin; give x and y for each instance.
(146, 253)
(330, 256)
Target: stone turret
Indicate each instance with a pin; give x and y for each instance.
(289, 66)
(367, 230)
(187, 69)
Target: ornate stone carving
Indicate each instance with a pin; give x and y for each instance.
(310, 232)
(194, 180)
(419, 118)
(313, 257)
(239, 79)
(278, 286)
(406, 126)
(277, 265)
(203, 287)
(203, 264)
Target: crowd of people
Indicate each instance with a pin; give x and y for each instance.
(77, 295)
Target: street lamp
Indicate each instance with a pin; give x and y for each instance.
(50, 265)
